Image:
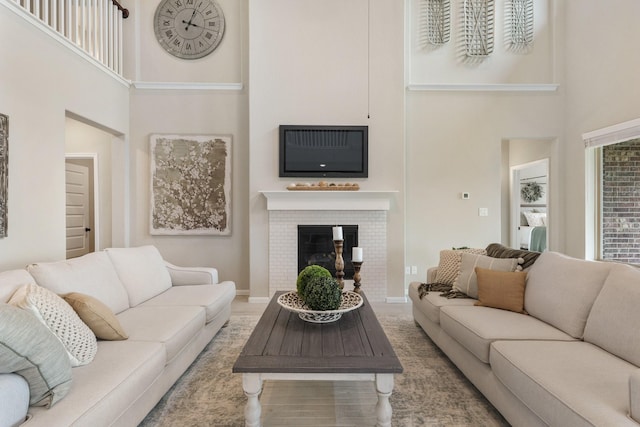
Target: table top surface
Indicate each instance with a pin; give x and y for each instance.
(282, 342)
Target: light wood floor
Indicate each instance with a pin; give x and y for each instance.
(317, 403)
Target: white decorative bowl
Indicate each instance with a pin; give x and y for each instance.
(292, 302)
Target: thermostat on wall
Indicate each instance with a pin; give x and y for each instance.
(465, 195)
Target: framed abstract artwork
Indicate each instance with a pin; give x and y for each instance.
(190, 184)
(4, 173)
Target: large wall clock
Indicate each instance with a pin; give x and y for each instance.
(189, 29)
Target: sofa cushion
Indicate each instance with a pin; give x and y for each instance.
(449, 265)
(561, 290)
(467, 281)
(634, 396)
(475, 328)
(14, 399)
(431, 303)
(29, 349)
(78, 340)
(11, 280)
(142, 271)
(174, 327)
(96, 316)
(566, 383)
(501, 289)
(615, 316)
(92, 274)
(121, 373)
(213, 298)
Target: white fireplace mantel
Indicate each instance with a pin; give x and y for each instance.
(329, 200)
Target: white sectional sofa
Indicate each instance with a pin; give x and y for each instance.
(169, 314)
(573, 360)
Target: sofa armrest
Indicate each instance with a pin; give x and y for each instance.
(634, 396)
(192, 275)
(14, 399)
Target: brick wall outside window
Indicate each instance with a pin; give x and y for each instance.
(621, 202)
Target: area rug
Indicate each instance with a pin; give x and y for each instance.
(430, 392)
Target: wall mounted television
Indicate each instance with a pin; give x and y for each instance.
(324, 151)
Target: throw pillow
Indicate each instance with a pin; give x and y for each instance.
(96, 316)
(536, 219)
(501, 289)
(449, 265)
(76, 337)
(30, 350)
(467, 281)
(496, 250)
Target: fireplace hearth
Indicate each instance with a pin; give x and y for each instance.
(315, 247)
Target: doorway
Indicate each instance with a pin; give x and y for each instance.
(80, 197)
(529, 206)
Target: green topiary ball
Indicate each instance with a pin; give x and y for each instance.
(323, 293)
(307, 274)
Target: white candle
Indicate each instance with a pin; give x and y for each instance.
(337, 233)
(356, 254)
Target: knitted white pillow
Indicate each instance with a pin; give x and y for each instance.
(76, 337)
(449, 265)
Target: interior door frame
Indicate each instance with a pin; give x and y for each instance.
(94, 188)
(515, 199)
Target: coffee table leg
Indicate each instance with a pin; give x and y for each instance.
(384, 386)
(252, 386)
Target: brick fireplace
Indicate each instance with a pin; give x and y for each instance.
(368, 210)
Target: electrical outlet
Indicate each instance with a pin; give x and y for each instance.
(407, 270)
(414, 269)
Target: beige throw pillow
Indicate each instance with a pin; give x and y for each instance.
(97, 316)
(449, 265)
(501, 289)
(467, 281)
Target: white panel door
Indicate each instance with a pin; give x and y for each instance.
(77, 205)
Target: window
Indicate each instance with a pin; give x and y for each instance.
(613, 193)
(620, 202)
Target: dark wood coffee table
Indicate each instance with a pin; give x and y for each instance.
(285, 347)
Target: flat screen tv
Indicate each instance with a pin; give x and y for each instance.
(324, 151)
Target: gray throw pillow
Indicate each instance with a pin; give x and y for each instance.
(467, 281)
(32, 351)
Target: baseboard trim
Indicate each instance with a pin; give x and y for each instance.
(259, 300)
(396, 300)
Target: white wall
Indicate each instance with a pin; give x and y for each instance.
(602, 89)
(41, 80)
(197, 108)
(330, 62)
(455, 137)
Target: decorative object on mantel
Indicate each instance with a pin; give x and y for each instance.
(323, 186)
(338, 244)
(520, 24)
(190, 184)
(292, 302)
(438, 21)
(4, 172)
(356, 260)
(478, 27)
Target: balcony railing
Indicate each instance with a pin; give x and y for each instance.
(95, 26)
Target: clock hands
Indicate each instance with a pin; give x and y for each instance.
(189, 23)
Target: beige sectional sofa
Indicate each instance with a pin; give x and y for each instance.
(573, 360)
(169, 314)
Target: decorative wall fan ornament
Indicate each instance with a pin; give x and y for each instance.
(478, 27)
(520, 24)
(438, 21)
(531, 192)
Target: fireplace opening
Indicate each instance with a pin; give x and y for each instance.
(315, 246)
